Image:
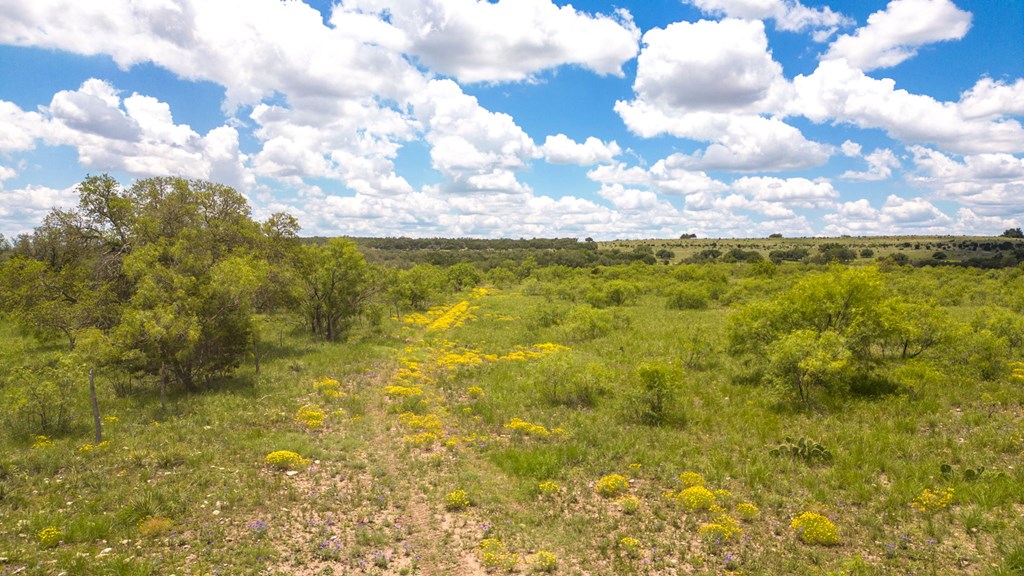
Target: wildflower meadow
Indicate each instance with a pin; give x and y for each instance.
(781, 418)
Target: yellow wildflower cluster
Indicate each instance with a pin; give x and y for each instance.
(748, 511)
(812, 528)
(722, 529)
(532, 352)
(285, 459)
(695, 498)
(452, 318)
(493, 555)
(49, 537)
(155, 526)
(312, 417)
(527, 429)
(111, 419)
(457, 500)
(394, 391)
(630, 545)
(542, 561)
(612, 485)
(1017, 369)
(451, 360)
(417, 319)
(327, 386)
(91, 447)
(630, 504)
(930, 501)
(42, 442)
(548, 488)
(690, 479)
(475, 392)
(420, 440)
(428, 422)
(480, 292)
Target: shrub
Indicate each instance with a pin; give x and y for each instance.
(42, 399)
(285, 459)
(687, 298)
(586, 323)
(805, 360)
(613, 293)
(814, 528)
(653, 400)
(543, 561)
(564, 381)
(695, 498)
(457, 500)
(612, 485)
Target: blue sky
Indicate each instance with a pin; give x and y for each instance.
(529, 118)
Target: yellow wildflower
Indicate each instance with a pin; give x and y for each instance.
(695, 498)
(285, 459)
(930, 501)
(814, 528)
(612, 485)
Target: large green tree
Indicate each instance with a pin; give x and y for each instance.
(336, 285)
(832, 327)
(170, 269)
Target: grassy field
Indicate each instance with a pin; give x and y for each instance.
(511, 430)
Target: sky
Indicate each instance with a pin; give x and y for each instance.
(529, 118)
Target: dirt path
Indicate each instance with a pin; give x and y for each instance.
(380, 512)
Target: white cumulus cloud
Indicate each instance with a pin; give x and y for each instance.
(560, 149)
(991, 99)
(508, 40)
(788, 14)
(895, 34)
(881, 163)
(837, 92)
(473, 148)
(988, 184)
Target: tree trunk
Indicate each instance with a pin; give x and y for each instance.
(255, 352)
(95, 407)
(163, 388)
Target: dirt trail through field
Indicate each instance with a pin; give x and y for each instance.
(382, 511)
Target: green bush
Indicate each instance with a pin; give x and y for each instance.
(587, 323)
(565, 382)
(613, 293)
(687, 298)
(654, 398)
(42, 400)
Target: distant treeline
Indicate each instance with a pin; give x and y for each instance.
(487, 254)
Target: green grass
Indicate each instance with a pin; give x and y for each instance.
(371, 501)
